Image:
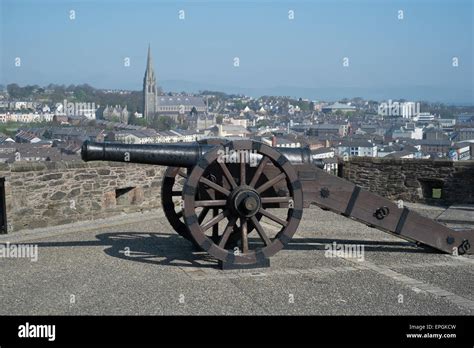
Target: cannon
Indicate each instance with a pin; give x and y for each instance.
(216, 193)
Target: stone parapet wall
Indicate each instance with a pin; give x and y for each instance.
(40, 194)
(414, 180)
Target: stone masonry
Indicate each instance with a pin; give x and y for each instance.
(413, 180)
(54, 193)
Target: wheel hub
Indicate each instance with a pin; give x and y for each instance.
(245, 202)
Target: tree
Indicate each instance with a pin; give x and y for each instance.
(132, 119)
(14, 90)
(263, 123)
(162, 123)
(142, 122)
(219, 119)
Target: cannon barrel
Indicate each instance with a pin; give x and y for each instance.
(173, 155)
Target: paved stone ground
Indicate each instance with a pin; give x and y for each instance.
(458, 214)
(86, 264)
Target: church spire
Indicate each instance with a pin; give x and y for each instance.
(149, 73)
(149, 89)
(149, 61)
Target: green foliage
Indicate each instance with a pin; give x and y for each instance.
(133, 120)
(77, 93)
(303, 105)
(10, 128)
(18, 92)
(263, 123)
(184, 125)
(350, 114)
(162, 123)
(239, 105)
(219, 119)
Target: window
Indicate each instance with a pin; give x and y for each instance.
(432, 188)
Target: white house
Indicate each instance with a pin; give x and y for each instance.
(356, 148)
(409, 131)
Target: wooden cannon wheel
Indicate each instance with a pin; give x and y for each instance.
(242, 202)
(171, 188)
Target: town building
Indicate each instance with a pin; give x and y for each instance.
(116, 113)
(228, 130)
(356, 148)
(339, 107)
(409, 131)
(424, 117)
(460, 152)
(436, 148)
(465, 134)
(327, 129)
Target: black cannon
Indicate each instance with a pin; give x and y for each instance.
(226, 191)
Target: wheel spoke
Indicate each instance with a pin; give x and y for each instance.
(176, 193)
(261, 231)
(270, 183)
(214, 221)
(214, 186)
(266, 200)
(228, 175)
(203, 214)
(211, 203)
(259, 171)
(215, 228)
(242, 168)
(272, 217)
(227, 232)
(243, 229)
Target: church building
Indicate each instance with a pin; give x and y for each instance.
(155, 104)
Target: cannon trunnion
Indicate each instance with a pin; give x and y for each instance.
(242, 201)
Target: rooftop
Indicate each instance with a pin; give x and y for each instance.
(182, 100)
(338, 105)
(357, 143)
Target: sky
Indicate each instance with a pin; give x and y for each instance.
(303, 56)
